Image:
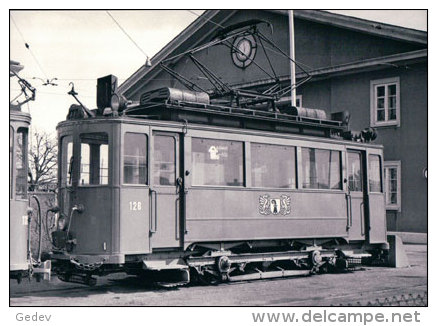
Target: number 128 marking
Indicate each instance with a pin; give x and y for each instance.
(135, 205)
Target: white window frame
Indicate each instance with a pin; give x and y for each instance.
(392, 165)
(373, 100)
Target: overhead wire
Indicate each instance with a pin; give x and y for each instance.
(126, 33)
(54, 93)
(28, 46)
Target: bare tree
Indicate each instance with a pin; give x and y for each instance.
(43, 157)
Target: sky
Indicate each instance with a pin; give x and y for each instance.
(81, 46)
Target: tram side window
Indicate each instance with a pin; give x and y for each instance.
(217, 162)
(135, 159)
(11, 158)
(94, 156)
(273, 166)
(67, 160)
(375, 184)
(321, 169)
(21, 164)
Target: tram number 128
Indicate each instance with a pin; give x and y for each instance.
(135, 205)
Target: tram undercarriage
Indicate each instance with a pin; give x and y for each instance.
(214, 263)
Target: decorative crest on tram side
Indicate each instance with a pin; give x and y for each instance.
(275, 206)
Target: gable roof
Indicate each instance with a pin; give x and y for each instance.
(208, 17)
(361, 25)
(215, 18)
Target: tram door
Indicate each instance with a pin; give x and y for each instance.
(165, 208)
(356, 195)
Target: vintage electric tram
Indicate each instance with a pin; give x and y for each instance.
(184, 185)
(21, 263)
(241, 195)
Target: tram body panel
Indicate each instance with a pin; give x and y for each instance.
(87, 177)
(92, 228)
(378, 227)
(376, 197)
(18, 224)
(134, 220)
(18, 202)
(218, 214)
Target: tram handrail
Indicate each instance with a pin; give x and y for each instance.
(349, 211)
(153, 228)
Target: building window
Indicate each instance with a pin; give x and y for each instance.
(385, 102)
(135, 159)
(217, 162)
(94, 156)
(273, 166)
(392, 176)
(321, 169)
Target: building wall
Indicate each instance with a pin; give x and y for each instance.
(316, 45)
(319, 45)
(407, 143)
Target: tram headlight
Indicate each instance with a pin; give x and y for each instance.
(115, 102)
(118, 103)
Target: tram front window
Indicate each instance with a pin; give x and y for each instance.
(21, 164)
(93, 159)
(135, 159)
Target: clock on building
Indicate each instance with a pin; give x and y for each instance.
(243, 50)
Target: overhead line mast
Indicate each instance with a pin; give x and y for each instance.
(292, 56)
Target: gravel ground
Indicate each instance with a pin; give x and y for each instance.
(372, 285)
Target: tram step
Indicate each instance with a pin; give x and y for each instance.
(269, 274)
(164, 264)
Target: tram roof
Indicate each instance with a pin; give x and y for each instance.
(68, 124)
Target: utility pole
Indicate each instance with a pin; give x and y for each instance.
(292, 56)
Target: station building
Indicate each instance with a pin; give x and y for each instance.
(377, 72)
